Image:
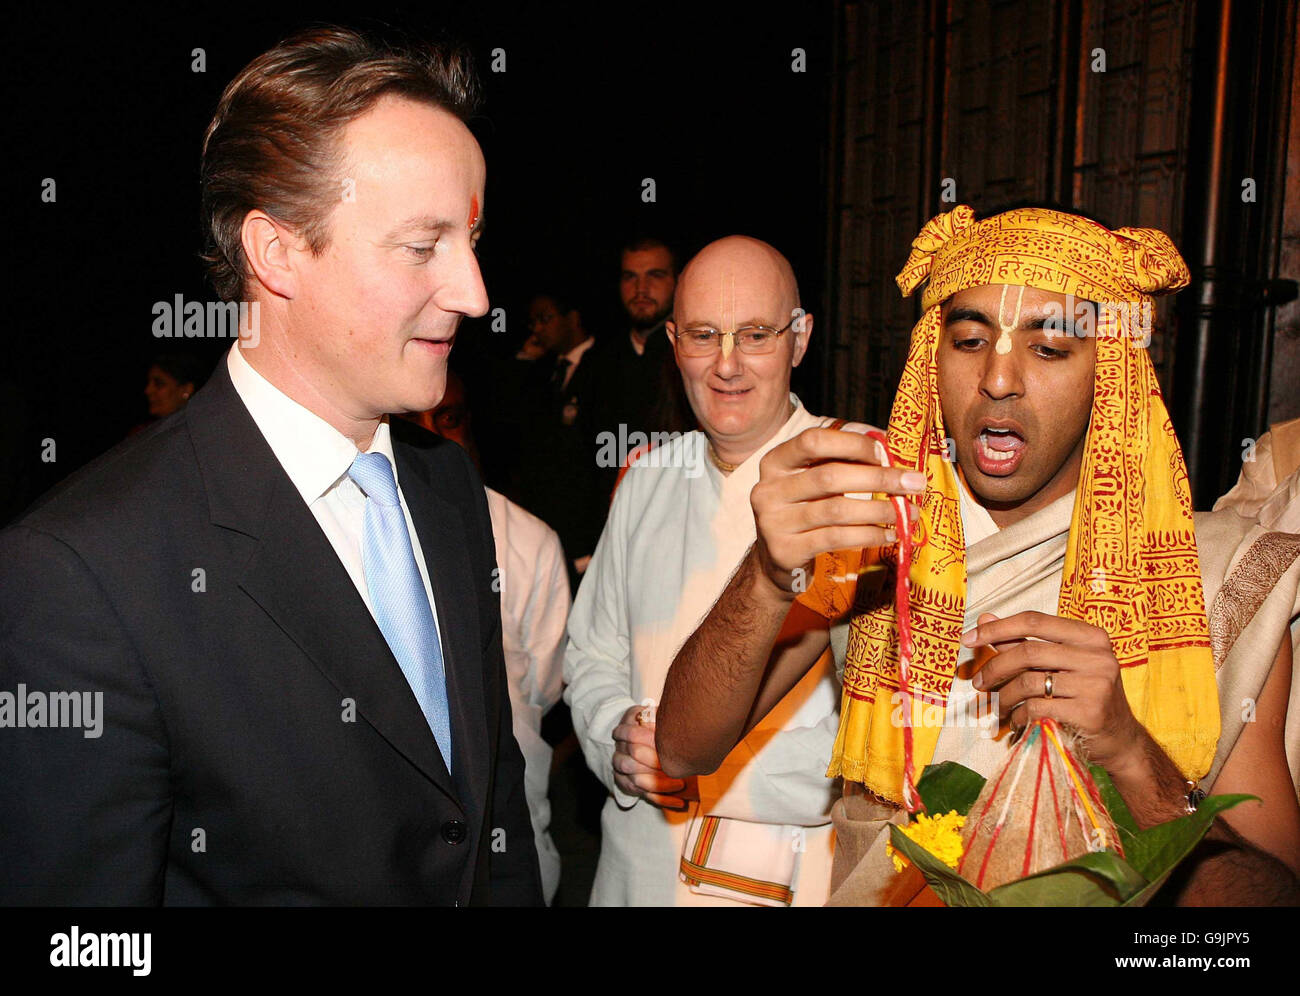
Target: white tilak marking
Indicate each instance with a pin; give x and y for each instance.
(729, 321)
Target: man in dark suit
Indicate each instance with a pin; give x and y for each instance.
(279, 609)
(556, 473)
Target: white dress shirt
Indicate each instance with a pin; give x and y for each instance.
(316, 456)
(574, 356)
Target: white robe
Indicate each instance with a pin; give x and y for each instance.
(676, 532)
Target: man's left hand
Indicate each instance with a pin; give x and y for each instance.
(1087, 692)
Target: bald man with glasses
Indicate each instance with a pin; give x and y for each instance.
(757, 831)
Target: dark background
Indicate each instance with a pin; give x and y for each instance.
(838, 166)
(594, 99)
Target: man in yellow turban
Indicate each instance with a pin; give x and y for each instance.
(1057, 573)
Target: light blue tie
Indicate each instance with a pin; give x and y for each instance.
(397, 593)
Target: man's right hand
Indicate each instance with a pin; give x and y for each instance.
(636, 766)
(801, 506)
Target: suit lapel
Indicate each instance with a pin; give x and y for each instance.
(296, 577)
(444, 536)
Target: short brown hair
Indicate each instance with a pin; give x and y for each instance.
(645, 243)
(273, 143)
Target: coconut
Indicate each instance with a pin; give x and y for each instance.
(1039, 810)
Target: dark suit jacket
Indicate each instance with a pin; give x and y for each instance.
(260, 744)
(557, 475)
(641, 392)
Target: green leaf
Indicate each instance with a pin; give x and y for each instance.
(950, 887)
(1113, 801)
(1156, 851)
(1100, 878)
(1144, 897)
(1070, 887)
(948, 786)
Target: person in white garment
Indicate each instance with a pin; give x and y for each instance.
(534, 587)
(756, 831)
(534, 609)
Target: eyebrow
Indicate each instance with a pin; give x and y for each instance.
(419, 223)
(967, 315)
(1065, 331)
(702, 323)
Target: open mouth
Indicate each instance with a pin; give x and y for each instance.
(736, 393)
(999, 450)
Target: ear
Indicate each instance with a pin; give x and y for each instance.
(804, 327)
(670, 330)
(267, 246)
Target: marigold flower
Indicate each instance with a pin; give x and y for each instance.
(940, 835)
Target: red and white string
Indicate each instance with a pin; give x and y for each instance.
(902, 610)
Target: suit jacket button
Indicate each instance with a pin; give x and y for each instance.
(453, 831)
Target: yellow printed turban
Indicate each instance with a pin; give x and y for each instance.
(1132, 521)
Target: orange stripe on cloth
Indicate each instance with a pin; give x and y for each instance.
(699, 875)
(704, 842)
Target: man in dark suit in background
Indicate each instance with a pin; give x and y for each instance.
(635, 384)
(255, 652)
(558, 477)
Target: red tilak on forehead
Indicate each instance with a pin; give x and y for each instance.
(473, 211)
